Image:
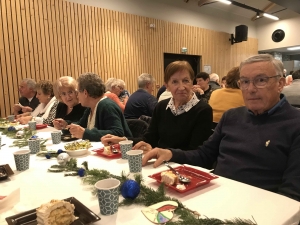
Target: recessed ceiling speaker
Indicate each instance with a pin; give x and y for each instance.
(278, 35)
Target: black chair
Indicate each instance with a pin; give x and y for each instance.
(137, 127)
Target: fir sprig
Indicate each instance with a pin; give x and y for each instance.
(149, 196)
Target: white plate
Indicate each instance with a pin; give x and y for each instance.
(78, 152)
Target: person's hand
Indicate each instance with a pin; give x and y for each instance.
(59, 123)
(159, 154)
(17, 107)
(111, 139)
(142, 146)
(196, 88)
(24, 119)
(26, 109)
(76, 130)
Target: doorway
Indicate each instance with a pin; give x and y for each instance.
(194, 60)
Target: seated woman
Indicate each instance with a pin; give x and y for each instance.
(46, 110)
(182, 121)
(114, 87)
(69, 108)
(101, 117)
(226, 98)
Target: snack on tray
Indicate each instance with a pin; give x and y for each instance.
(84, 144)
(56, 212)
(168, 177)
(106, 150)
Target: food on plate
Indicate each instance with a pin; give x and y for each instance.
(56, 212)
(106, 150)
(180, 187)
(168, 177)
(85, 144)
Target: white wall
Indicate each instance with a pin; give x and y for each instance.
(179, 12)
(289, 26)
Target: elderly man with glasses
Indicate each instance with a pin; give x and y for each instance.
(258, 144)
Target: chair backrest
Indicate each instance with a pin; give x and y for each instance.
(137, 127)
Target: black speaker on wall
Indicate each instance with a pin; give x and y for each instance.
(241, 33)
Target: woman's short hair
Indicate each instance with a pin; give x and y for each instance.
(46, 87)
(144, 79)
(92, 83)
(64, 82)
(265, 58)
(112, 82)
(232, 78)
(176, 66)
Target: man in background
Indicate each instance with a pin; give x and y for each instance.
(292, 91)
(28, 101)
(258, 144)
(141, 102)
(214, 81)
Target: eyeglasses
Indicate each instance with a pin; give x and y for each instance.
(121, 88)
(258, 82)
(69, 93)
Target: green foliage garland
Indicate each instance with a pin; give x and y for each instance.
(149, 196)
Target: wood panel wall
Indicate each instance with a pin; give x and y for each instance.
(52, 38)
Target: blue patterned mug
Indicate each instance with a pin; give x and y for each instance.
(108, 195)
(34, 145)
(125, 146)
(135, 160)
(22, 159)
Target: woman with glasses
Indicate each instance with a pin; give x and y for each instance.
(46, 110)
(226, 98)
(114, 88)
(102, 115)
(69, 108)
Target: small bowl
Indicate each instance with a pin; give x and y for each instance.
(77, 152)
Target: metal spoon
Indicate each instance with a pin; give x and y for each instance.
(181, 178)
(114, 150)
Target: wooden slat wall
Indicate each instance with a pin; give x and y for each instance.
(53, 38)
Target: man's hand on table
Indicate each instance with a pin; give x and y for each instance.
(76, 130)
(111, 139)
(159, 154)
(142, 146)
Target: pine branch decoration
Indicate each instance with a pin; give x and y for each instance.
(149, 196)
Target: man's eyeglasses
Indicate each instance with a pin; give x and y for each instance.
(69, 93)
(258, 82)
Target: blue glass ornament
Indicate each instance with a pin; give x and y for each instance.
(11, 128)
(81, 172)
(34, 136)
(48, 156)
(59, 151)
(130, 189)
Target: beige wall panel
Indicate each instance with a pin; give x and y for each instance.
(53, 38)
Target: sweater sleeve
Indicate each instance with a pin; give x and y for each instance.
(290, 180)
(108, 121)
(204, 156)
(202, 129)
(117, 101)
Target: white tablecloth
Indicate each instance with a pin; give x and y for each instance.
(222, 198)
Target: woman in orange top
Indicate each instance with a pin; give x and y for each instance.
(226, 98)
(114, 87)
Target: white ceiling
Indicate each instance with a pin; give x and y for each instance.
(274, 9)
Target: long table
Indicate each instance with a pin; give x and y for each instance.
(222, 198)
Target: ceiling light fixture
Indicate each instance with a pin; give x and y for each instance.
(270, 16)
(257, 11)
(293, 48)
(225, 2)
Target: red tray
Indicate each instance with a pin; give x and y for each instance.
(100, 152)
(41, 126)
(198, 178)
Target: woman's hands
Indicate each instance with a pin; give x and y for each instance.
(59, 123)
(24, 119)
(142, 146)
(76, 130)
(196, 88)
